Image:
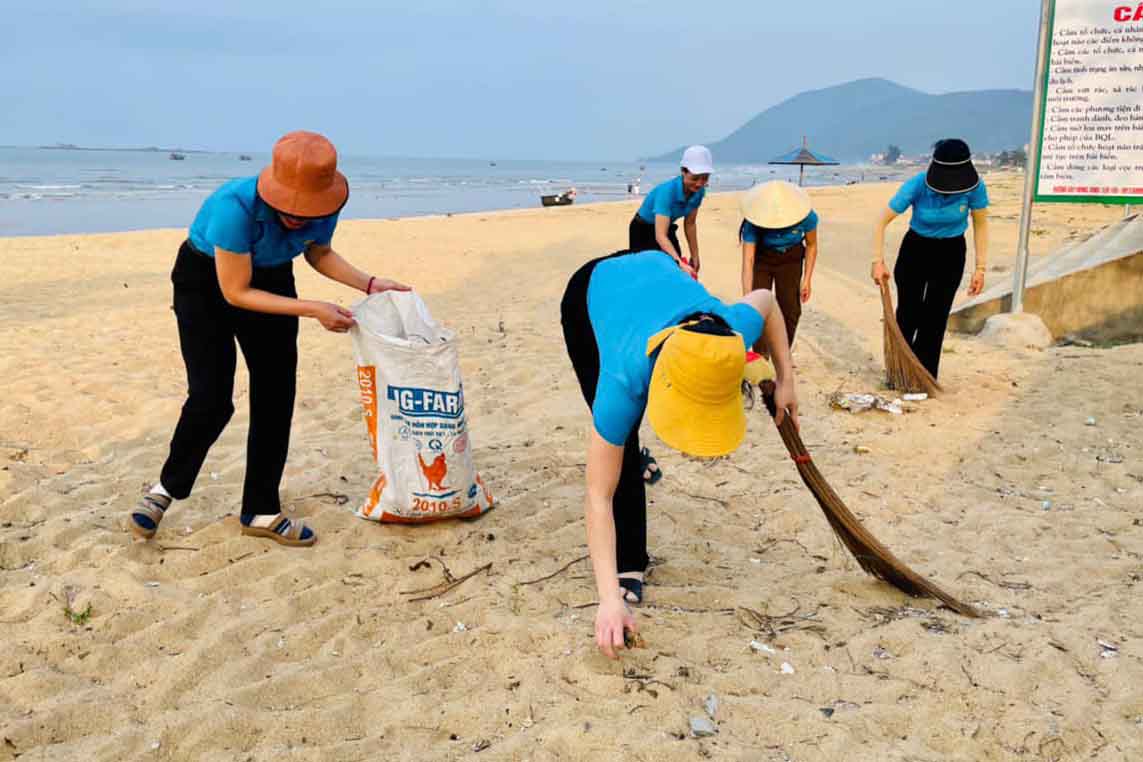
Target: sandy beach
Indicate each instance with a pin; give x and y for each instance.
(1020, 490)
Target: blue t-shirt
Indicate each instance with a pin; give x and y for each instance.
(236, 219)
(780, 239)
(630, 299)
(938, 215)
(670, 200)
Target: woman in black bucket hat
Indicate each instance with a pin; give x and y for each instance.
(930, 264)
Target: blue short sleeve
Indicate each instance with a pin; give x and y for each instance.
(906, 194)
(323, 234)
(662, 205)
(978, 197)
(810, 224)
(749, 233)
(229, 226)
(745, 321)
(614, 413)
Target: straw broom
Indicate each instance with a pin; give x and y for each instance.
(903, 371)
(874, 557)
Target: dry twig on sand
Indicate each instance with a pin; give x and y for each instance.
(450, 582)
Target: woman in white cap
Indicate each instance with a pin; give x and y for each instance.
(643, 336)
(930, 264)
(234, 281)
(779, 247)
(654, 226)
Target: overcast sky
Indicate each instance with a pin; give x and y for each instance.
(585, 79)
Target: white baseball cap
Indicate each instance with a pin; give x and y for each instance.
(697, 160)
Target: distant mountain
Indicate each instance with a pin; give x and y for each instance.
(859, 118)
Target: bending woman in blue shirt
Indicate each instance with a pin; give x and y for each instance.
(930, 264)
(654, 226)
(233, 280)
(644, 336)
(779, 237)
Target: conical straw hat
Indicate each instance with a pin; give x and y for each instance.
(776, 204)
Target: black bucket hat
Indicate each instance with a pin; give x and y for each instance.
(951, 170)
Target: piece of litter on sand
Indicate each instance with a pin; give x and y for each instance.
(787, 668)
(1046, 505)
(460, 627)
(760, 647)
(702, 727)
(856, 403)
(1107, 650)
(861, 449)
(214, 475)
(1090, 421)
(915, 397)
(711, 705)
(881, 653)
(150, 584)
(155, 746)
(755, 560)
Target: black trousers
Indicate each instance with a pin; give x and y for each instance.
(928, 273)
(781, 272)
(208, 328)
(641, 236)
(629, 505)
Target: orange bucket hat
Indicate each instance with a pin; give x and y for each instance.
(302, 179)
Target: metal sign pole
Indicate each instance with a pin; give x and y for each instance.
(1020, 275)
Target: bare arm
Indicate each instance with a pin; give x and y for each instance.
(604, 461)
(234, 275)
(662, 225)
(335, 267)
(690, 229)
(331, 264)
(980, 245)
(880, 272)
(811, 259)
(748, 251)
(778, 345)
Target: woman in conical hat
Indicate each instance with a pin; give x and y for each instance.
(930, 264)
(233, 281)
(643, 336)
(779, 235)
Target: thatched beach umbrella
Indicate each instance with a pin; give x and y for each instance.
(803, 156)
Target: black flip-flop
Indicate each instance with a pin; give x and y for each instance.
(646, 461)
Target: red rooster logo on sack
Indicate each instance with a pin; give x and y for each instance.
(434, 472)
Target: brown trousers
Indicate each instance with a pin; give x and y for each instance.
(781, 272)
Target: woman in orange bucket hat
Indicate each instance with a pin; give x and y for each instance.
(233, 281)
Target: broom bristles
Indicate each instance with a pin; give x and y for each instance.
(874, 558)
(903, 371)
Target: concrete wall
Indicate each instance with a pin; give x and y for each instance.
(1093, 289)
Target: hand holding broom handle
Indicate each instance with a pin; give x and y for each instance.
(874, 557)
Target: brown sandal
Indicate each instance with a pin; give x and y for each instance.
(282, 531)
(148, 513)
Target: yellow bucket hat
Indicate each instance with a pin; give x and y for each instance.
(693, 403)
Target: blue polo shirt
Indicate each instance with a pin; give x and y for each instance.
(630, 299)
(780, 239)
(670, 200)
(937, 215)
(236, 219)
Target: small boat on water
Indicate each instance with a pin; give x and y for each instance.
(559, 199)
(175, 156)
(243, 157)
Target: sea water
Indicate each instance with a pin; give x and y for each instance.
(46, 191)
